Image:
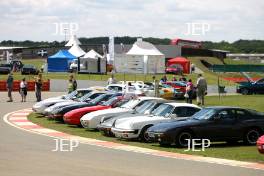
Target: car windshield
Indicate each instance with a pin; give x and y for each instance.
(179, 83)
(100, 98)
(86, 96)
(131, 104)
(144, 107)
(70, 95)
(162, 110)
(204, 114)
(110, 101)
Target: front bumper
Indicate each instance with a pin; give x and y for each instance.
(105, 130)
(160, 137)
(125, 133)
(260, 147)
(39, 109)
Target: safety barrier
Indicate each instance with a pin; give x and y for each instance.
(31, 85)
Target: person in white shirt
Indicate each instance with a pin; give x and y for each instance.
(23, 89)
(111, 80)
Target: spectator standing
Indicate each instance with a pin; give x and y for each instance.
(23, 90)
(182, 78)
(174, 78)
(192, 68)
(111, 80)
(9, 86)
(38, 87)
(74, 82)
(201, 89)
(189, 91)
(163, 79)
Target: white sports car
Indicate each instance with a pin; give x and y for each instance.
(42, 105)
(91, 120)
(132, 128)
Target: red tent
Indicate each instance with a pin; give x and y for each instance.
(185, 63)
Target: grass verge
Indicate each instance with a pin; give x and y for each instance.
(218, 150)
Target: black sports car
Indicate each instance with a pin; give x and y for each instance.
(229, 124)
(5, 68)
(29, 69)
(251, 87)
(98, 99)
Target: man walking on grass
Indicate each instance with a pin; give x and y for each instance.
(201, 89)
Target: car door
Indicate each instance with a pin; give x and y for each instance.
(259, 86)
(219, 127)
(224, 127)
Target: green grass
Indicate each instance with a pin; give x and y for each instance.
(218, 150)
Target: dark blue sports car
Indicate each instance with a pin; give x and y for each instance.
(230, 124)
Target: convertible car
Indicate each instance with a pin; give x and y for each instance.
(135, 128)
(73, 117)
(229, 124)
(92, 119)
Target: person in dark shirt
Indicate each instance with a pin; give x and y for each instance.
(38, 87)
(9, 86)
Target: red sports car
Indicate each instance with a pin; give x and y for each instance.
(260, 144)
(175, 69)
(180, 88)
(73, 117)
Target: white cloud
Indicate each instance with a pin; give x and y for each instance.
(229, 20)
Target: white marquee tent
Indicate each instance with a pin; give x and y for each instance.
(73, 41)
(92, 55)
(143, 57)
(93, 62)
(76, 51)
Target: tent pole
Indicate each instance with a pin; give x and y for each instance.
(218, 84)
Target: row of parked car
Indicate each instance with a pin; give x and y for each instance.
(17, 65)
(150, 119)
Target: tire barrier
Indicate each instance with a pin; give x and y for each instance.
(31, 85)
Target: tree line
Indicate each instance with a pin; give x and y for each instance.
(239, 46)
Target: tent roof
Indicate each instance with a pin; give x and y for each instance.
(144, 48)
(63, 54)
(92, 54)
(76, 51)
(178, 59)
(73, 41)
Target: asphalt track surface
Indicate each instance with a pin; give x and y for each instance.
(25, 154)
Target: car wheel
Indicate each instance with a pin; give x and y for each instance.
(182, 139)
(251, 136)
(245, 91)
(144, 135)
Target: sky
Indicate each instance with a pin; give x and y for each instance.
(205, 20)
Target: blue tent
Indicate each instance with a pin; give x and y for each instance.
(59, 62)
